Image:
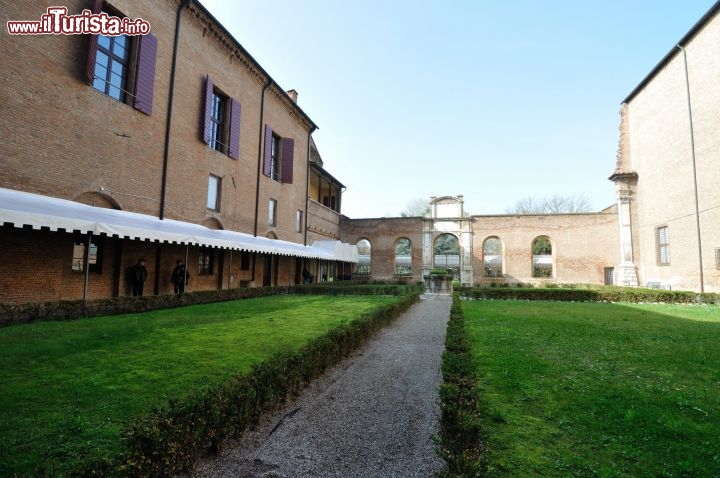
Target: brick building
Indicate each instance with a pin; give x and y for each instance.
(172, 130)
(179, 145)
(667, 171)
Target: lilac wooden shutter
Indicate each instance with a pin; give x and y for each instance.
(234, 146)
(267, 160)
(207, 126)
(145, 79)
(287, 146)
(96, 7)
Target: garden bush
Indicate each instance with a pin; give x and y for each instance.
(459, 443)
(609, 294)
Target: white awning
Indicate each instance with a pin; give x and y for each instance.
(22, 209)
(342, 251)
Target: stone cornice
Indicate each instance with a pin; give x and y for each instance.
(322, 232)
(290, 106)
(212, 27)
(227, 42)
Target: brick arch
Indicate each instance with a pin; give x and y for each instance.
(492, 256)
(543, 252)
(97, 199)
(213, 223)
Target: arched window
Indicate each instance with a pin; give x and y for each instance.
(542, 259)
(363, 265)
(492, 257)
(447, 253)
(403, 257)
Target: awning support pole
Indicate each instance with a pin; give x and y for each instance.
(230, 271)
(187, 266)
(86, 260)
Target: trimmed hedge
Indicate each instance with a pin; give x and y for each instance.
(167, 441)
(11, 314)
(459, 445)
(610, 294)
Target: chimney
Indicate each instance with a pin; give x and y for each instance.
(293, 95)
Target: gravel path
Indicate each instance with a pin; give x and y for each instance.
(373, 415)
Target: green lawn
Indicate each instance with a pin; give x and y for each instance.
(576, 389)
(67, 388)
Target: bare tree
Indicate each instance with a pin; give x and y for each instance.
(554, 204)
(416, 208)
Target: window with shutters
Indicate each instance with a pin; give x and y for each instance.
(662, 245)
(221, 126)
(275, 157)
(219, 122)
(111, 66)
(279, 156)
(123, 67)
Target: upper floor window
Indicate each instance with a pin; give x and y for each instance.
(111, 66)
(123, 67)
(219, 122)
(275, 157)
(492, 257)
(272, 212)
(214, 190)
(221, 128)
(299, 220)
(662, 244)
(278, 158)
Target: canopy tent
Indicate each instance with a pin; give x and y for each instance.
(22, 209)
(340, 250)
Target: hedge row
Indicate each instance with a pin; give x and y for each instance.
(610, 294)
(168, 441)
(11, 314)
(460, 445)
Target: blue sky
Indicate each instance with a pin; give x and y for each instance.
(495, 100)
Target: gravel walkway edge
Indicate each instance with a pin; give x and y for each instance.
(373, 415)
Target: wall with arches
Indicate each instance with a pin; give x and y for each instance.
(581, 247)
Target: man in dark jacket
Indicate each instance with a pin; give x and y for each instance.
(180, 273)
(138, 276)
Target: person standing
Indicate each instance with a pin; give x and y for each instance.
(180, 277)
(138, 276)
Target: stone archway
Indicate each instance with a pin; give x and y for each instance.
(447, 218)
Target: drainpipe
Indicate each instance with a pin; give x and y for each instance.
(260, 158)
(259, 169)
(307, 184)
(86, 263)
(168, 121)
(694, 169)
